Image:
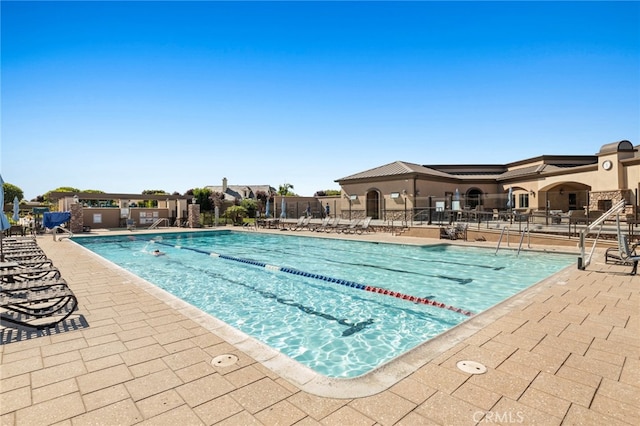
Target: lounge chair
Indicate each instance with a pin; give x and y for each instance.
(453, 232)
(20, 273)
(628, 255)
(32, 262)
(298, 223)
(39, 307)
(333, 226)
(320, 226)
(448, 233)
(612, 255)
(303, 222)
(460, 231)
(359, 227)
(349, 228)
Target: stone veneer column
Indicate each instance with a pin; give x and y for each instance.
(77, 221)
(193, 215)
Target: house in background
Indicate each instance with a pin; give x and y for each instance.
(558, 183)
(240, 192)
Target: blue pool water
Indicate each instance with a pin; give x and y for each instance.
(311, 298)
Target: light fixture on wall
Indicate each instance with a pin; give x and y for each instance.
(533, 193)
(561, 191)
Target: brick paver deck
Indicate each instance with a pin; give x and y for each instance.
(566, 354)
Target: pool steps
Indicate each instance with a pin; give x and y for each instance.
(372, 289)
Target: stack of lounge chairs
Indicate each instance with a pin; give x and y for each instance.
(32, 293)
(457, 232)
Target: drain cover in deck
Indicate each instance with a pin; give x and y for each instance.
(471, 367)
(224, 360)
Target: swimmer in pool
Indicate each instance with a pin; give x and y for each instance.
(157, 252)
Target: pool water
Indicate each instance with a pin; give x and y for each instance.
(340, 307)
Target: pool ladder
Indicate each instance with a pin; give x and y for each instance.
(506, 229)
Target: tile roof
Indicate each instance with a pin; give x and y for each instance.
(397, 168)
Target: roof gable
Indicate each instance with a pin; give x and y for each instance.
(397, 168)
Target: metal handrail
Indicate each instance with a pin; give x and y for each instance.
(525, 230)
(506, 228)
(158, 222)
(585, 260)
(55, 229)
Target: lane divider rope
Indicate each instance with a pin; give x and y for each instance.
(347, 283)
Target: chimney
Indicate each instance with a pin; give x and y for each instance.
(224, 185)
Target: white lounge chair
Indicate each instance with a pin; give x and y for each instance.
(347, 229)
(359, 227)
(303, 222)
(333, 226)
(321, 226)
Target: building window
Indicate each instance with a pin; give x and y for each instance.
(523, 201)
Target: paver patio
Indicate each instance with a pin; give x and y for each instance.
(568, 354)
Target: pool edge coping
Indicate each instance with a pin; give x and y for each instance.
(373, 382)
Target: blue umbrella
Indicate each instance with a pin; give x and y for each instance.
(16, 209)
(267, 209)
(4, 222)
(283, 209)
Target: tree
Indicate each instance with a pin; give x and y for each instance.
(153, 192)
(10, 192)
(250, 205)
(202, 196)
(66, 189)
(262, 196)
(285, 189)
(236, 214)
(326, 192)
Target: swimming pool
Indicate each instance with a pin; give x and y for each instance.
(340, 307)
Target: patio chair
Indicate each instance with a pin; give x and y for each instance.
(131, 225)
(298, 223)
(447, 233)
(38, 307)
(19, 273)
(333, 226)
(32, 262)
(612, 255)
(460, 231)
(20, 256)
(320, 226)
(350, 227)
(359, 227)
(628, 254)
(302, 223)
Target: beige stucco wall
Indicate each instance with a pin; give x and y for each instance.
(585, 187)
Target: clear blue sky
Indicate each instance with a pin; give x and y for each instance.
(128, 96)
